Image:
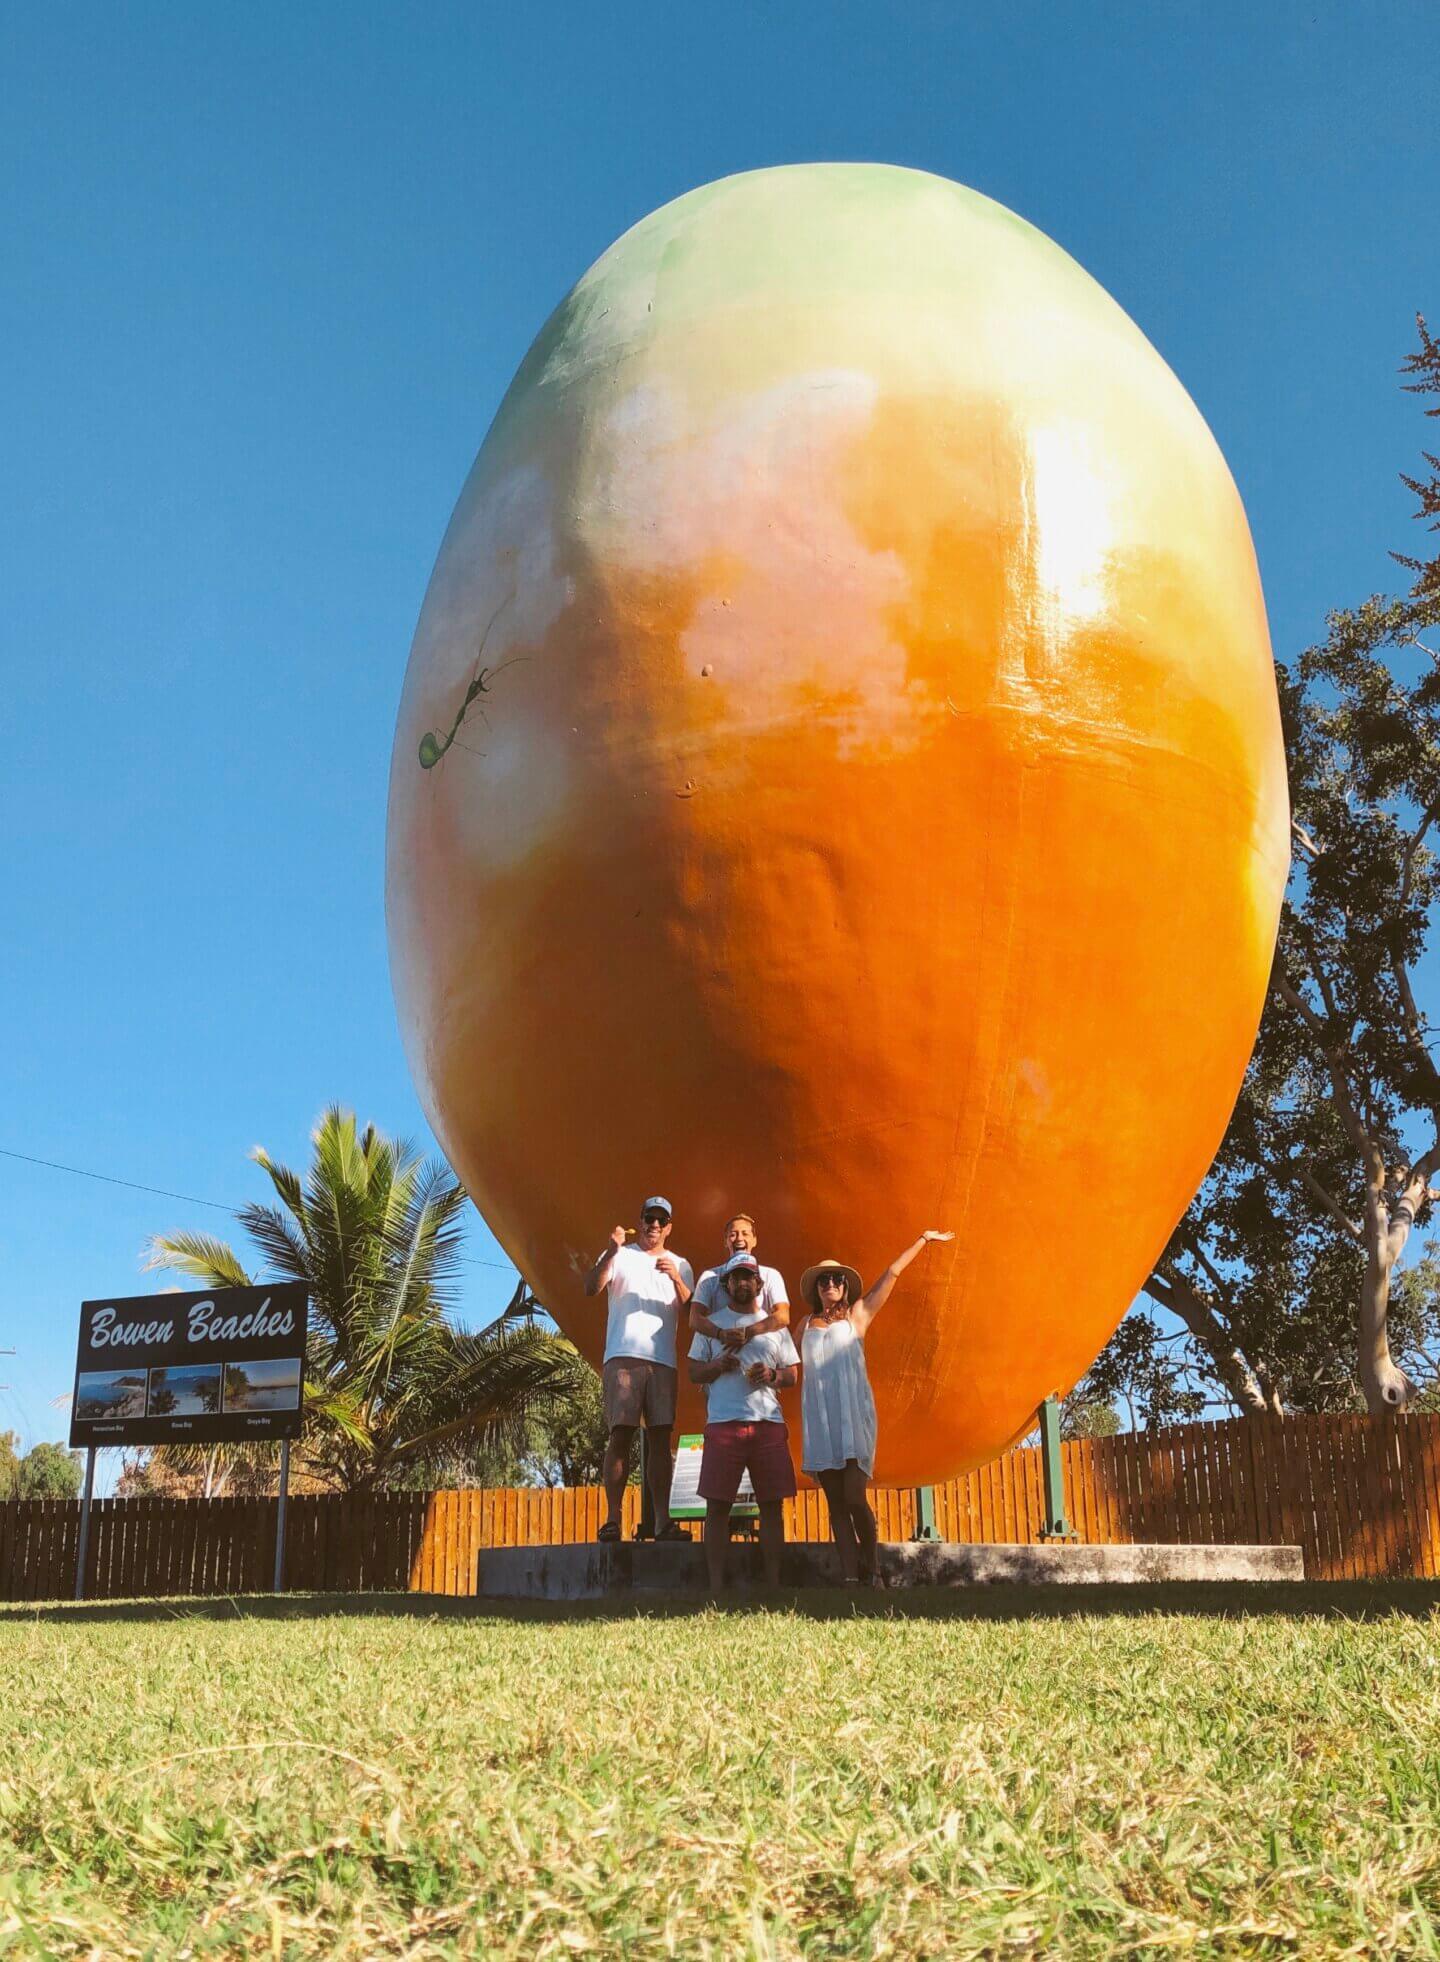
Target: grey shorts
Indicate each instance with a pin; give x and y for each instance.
(636, 1389)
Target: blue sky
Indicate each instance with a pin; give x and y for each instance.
(266, 273)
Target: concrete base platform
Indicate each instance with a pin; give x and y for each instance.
(594, 1572)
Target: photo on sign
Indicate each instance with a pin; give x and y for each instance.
(104, 1395)
(184, 1390)
(270, 1383)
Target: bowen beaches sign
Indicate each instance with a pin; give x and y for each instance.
(221, 1366)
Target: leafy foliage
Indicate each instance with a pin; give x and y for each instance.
(568, 1440)
(1085, 1413)
(393, 1385)
(1425, 363)
(1284, 1271)
(1135, 1372)
(46, 1471)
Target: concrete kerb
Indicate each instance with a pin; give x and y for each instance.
(593, 1572)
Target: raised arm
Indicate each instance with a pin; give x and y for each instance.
(701, 1301)
(670, 1267)
(600, 1273)
(778, 1318)
(870, 1303)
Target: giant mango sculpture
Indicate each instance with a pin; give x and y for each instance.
(839, 776)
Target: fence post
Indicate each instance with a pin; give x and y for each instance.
(1057, 1526)
(84, 1545)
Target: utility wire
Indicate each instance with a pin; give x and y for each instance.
(52, 1165)
(185, 1198)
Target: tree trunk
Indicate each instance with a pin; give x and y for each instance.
(1387, 1228)
(1383, 1229)
(1386, 1387)
(1227, 1360)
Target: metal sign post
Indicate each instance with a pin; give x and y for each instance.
(280, 1515)
(646, 1529)
(84, 1546)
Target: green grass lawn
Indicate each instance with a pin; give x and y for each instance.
(1258, 1774)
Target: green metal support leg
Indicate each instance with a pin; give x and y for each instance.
(646, 1529)
(1057, 1526)
(925, 1513)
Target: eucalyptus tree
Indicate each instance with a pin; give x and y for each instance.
(1251, 1270)
(1425, 364)
(1284, 1270)
(1358, 921)
(393, 1383)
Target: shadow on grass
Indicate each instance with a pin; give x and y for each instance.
(1232, 1600)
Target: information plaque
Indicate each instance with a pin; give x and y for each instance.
(685, 1500)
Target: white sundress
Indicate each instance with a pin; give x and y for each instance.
(837, 1409)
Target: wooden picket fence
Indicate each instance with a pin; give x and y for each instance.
(1360, 1495)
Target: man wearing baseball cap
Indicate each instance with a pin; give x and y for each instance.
(647, 1287)
(744, 1428)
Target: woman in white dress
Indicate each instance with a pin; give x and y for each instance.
(837, 1409)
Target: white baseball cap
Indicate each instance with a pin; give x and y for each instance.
(741, 1260)
(658, 1205)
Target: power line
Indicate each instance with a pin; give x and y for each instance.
(185, 1198)
(79, 1172)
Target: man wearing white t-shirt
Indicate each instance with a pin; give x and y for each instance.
(646, 1288)
(774, 1301)
(744, 1427)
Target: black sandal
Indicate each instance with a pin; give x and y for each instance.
(609, 1532)
(673, 1530)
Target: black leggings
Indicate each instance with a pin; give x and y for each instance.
(852, 1523)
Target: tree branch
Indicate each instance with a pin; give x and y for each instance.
(1412, 848)
(1292, 996)
(1332, 1206)
(1212, 1273)
(1415, 1031)
(1322, 982)
(1175, 1293)
(1416, 1187)
(1357, 1132)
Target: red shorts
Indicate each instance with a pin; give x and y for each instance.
(733, 1449)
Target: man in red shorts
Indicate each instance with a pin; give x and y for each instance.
(744, 1430)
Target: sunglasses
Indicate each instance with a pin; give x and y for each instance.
(655, 1219)
(828, 1281)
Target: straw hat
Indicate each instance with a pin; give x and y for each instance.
(812, 1275)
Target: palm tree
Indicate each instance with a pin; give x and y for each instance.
(374, 1232)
